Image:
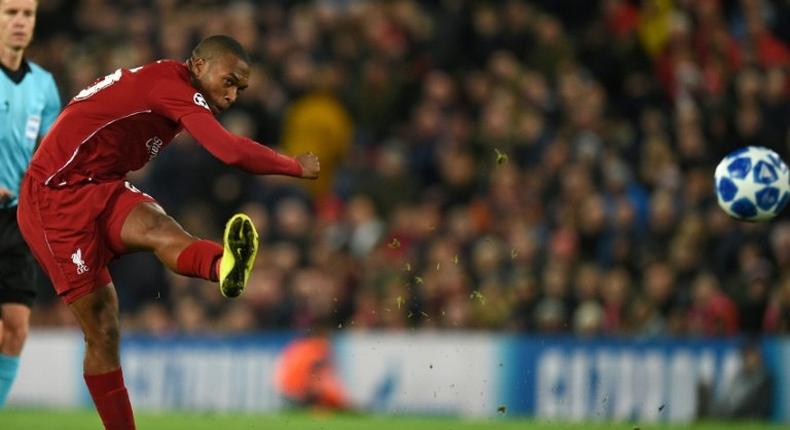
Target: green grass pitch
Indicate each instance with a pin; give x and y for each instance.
(41, 419)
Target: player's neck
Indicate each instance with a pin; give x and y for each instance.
(11, 58)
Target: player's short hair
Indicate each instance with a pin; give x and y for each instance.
(220, 44)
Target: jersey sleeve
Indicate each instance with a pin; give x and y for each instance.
(174, 99)
(51, 107)
(238, 151)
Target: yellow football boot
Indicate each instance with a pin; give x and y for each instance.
(241, 245)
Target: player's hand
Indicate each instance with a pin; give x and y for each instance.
(5, 195)
(310, 165)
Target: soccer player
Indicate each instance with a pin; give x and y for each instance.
(29, 103)
(77, 212)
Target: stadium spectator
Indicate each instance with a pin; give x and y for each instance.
(317, 122)
(748, 395)
(712, 313)
(306, 376)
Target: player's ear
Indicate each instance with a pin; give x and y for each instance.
(197, 65)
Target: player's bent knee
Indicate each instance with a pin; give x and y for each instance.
(105, 337)
(153, 221)
(111, 336)
(98, 316)
(148, 226)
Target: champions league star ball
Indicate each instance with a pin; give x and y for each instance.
(752, 184)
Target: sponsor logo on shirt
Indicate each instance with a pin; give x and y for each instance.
(76, 258)
(153, 144)
(200, 100)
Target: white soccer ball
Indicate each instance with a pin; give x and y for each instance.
(752, 184)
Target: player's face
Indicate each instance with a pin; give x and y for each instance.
(17, 19)
(221, 79)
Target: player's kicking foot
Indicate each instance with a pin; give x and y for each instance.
(241, 245)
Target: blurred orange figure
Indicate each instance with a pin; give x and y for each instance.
(305, 375)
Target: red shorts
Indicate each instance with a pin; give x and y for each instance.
(75, 231)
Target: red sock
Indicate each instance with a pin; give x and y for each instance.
(111, 400)
(199, 260)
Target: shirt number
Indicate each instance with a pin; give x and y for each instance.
(102, 84)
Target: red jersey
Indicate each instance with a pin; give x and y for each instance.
(124, 120)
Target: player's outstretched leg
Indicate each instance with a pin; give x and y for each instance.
(148, 227)
(238, 257)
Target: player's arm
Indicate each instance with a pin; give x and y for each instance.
(244, 153)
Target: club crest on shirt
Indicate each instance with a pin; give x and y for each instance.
(200, 100)
(76, 258)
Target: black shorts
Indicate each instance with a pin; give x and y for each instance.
(17, 267)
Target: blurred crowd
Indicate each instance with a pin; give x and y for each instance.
(529, 166)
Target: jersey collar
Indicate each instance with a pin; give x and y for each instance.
(16, 76)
